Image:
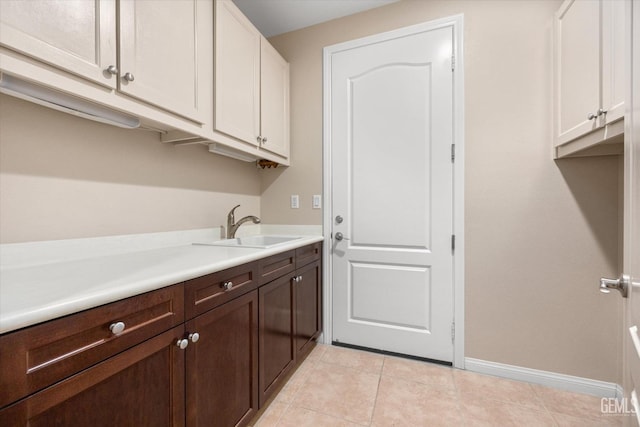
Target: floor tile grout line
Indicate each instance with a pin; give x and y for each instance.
(375, 400)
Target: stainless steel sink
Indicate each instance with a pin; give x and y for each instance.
(259, 241)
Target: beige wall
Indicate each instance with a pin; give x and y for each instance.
(64, 177)
(539, 233)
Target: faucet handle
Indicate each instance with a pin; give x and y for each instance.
(231, 212)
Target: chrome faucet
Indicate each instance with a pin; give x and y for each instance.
(233, 226)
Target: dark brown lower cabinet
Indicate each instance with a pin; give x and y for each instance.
(277, 352)
(308, 307)
(142, 386)
(216, 369)
(222, 365)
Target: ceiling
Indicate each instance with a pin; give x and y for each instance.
(273, 17)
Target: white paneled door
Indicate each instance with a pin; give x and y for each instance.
(391, 135)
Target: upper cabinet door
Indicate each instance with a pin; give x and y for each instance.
(158, 54)
(237, 74)
(578, 68)
(274, 102)
(78, 36)
(613, 62)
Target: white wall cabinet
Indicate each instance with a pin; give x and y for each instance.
(589, 77)
(158, 47)
(159, 59)
(251, 84)
(77, 36)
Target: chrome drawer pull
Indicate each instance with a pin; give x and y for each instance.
(117, 327)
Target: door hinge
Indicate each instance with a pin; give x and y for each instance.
(453, 63)
(453, 242)
(453, 153)
(453, 332)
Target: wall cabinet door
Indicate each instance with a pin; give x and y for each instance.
(251, 83)
(589, 75)
(613, 62)
(142, 386)
(158, 50)
(78, 36)
(308, 307)
(578, 68)
(237, 74)
(277, 352)
(222, 365)
(274, 101)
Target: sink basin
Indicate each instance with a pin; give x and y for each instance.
(259, 241)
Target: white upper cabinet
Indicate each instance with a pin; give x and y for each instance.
(274, 101)
(157, 44)
(589, 77)
(251, 84)
(158, 53)
(78, 36)
(237, 74)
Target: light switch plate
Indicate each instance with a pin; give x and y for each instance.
(317, 201)
(295, 201)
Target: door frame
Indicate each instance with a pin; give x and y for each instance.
(456, 22)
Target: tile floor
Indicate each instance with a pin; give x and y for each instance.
(336, 386)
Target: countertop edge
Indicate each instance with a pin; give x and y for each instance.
(77, 303)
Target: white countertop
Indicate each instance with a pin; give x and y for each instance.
(31, 294)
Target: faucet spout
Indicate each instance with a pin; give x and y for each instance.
(233, 226)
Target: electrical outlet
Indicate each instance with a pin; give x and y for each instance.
(317, 201)
(295, 201)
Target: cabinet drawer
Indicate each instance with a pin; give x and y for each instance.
(308, 254)
(207, 292)
(41, 355)
(276, 266)
(138, 387)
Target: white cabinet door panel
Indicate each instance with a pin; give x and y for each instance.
(613, 63)
(274, 101)
(158, 47)
(578, 62)
(78, 36)
(237, 74)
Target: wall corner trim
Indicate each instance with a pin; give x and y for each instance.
(545, 378)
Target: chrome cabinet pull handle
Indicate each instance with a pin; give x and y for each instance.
(112, 69)
(117, 327)
(183, 343)
(128, 77)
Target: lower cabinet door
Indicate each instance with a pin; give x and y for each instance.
(308, 292)
(277, 352)
(142, 386)
(222, 365)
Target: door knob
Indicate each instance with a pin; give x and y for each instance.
(128, 77)
(621, 284)
(340, 236)
(339, 219)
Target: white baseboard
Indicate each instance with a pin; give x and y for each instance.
(545, 378)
